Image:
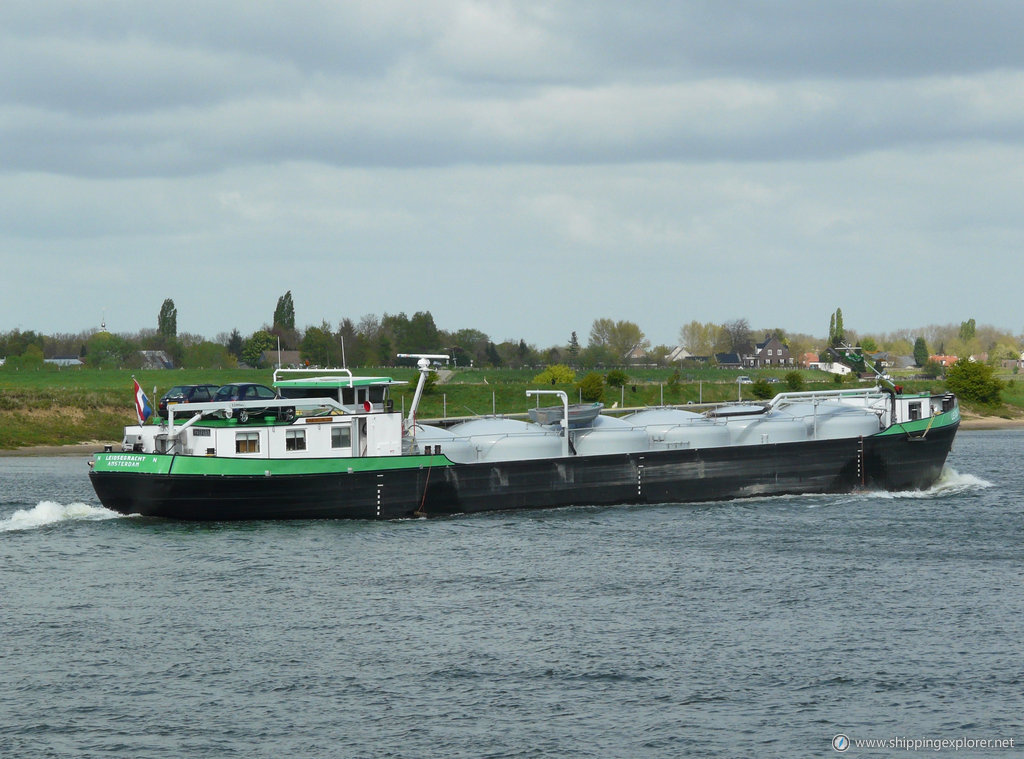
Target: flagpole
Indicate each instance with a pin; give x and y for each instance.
(135, 400)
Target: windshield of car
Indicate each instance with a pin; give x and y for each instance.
(226, 393)
(176, 390)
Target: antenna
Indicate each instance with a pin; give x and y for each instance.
(424, 367)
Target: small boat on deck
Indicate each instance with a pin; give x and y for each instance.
(580, 414)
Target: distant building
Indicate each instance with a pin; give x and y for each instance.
(288, 360)
(943, 360)
(728, 360)
(808, 359)
(635, 354)
(156, 360)
(64, 361)
(767, 353)
(881, 359)
(834, 367)
(679, 353)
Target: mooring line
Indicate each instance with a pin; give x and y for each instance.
(420, 512)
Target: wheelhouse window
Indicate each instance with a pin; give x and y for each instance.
(247, 442)
(341, 437)
(295, 440)
(915, 411)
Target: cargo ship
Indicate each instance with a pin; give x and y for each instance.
(332, 446)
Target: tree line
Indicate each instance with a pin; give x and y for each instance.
(374, 340)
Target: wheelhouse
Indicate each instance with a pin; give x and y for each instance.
(325, 416)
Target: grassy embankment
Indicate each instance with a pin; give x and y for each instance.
(56, 407)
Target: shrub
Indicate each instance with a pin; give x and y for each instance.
(616, 378)
(973, 381)
(794, 382)
(591, 387)
(761, 389)
(556, 374)
(931, 369)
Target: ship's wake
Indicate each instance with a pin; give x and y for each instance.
(950, 482)
(49, 512)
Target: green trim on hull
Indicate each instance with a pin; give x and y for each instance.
(945, 419)
(133, 463)
(150, 463)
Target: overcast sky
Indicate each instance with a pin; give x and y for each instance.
(521, 167)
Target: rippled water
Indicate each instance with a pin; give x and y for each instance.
(759, 627)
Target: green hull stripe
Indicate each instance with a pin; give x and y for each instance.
(210, 465)
(149, 463)
(945, 419)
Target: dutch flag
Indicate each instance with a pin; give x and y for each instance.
(142, 408)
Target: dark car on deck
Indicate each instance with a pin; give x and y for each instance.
(185, 394)
(250, 391)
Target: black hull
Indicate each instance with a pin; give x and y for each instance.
(883, 462)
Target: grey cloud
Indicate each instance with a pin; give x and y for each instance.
(399, 126)
(803, 38)
(469, 138)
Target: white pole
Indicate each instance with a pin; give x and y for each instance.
(565, 410)
(424, 367)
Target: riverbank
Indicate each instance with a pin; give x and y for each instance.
(75, 449)
(990, 423)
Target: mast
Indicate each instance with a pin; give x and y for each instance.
(423, 364)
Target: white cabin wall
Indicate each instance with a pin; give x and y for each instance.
(272, 441)
(384, 435)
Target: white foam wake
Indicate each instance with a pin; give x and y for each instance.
(49, 512)
(950, 482)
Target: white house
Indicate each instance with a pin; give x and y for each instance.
(832, 368)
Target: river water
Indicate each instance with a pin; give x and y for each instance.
(761, 627)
